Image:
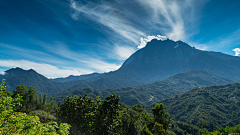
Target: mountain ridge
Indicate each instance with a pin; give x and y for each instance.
(147, 94)
(159, 60)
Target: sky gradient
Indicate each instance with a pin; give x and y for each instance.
(59, 38)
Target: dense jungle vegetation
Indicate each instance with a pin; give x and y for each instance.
(25, 112)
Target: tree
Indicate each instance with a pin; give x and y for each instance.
(28, 96)
(160, 116)
(108, 121)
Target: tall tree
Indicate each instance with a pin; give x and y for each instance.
(160, 116)
(28, 96)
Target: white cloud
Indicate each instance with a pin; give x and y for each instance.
(144, 41)
(123, 52)
(237, 51)
(44, 69)
(2, 73)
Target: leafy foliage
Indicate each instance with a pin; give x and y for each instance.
(89, 115)
(45, 104)
(12, 122)
(44, 117)
(227, 130)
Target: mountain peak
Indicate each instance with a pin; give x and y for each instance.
(17, 69)
(31, 70)
(160, 57)
(167, 45)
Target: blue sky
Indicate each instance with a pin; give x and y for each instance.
(58, 38)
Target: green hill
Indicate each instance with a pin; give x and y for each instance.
(217, 105)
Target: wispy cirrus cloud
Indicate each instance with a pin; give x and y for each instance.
(222, 43)
(167, 15)
(129, 30)
(59, 55)
(29, 53)
(125, 26)
(175, 19)
(87, 61)
(227, 40)
(168, 18)
(103, 14)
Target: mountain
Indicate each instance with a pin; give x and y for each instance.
(217, 105)
(75, 78)
(159, 60)
(162, 59)
(150, 93)
(17, 76)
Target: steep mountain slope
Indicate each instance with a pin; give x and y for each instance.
(217, 105)
(150, 93)
(162, 59)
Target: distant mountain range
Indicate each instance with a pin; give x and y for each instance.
(75, 78)
(162, 59)
(157, 61)
(150, 93)
(217, 105)
(17, 76)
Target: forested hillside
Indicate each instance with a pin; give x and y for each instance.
(24, 112)
(109, 116)
(150, 93)
(218, 106)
